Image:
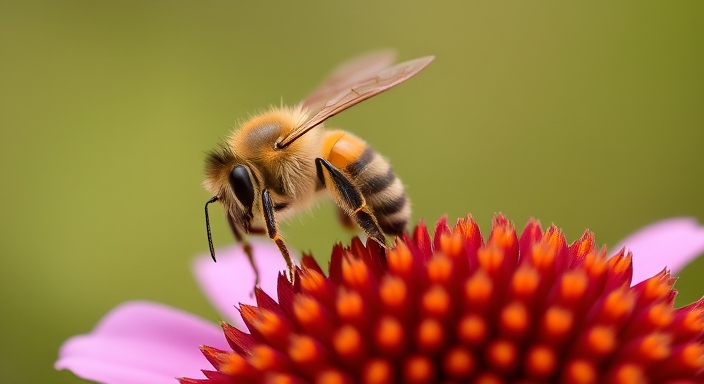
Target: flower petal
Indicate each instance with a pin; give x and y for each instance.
(670, 243)
(141, 343)
(230, 281)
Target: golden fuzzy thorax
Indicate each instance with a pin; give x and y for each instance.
(289, 171)
(288, 174)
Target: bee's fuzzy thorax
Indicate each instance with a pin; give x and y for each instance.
(286, 118)
(285, 170)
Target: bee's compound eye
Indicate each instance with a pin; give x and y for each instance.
(242, 185)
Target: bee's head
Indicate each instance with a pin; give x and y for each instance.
(232, 183)
(240, 183)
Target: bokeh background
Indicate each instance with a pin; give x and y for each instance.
(586, 115)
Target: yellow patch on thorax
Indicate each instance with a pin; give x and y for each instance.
(261, 131)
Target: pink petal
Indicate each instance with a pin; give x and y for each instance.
(141, 343)
(230, 281)
(671, 243)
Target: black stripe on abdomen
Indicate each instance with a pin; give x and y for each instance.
(382, 191)
(360, 166)
(378, 182)
(389, 206)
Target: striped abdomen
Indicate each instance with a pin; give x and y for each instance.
(372, 174)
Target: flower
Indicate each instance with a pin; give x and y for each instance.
(141, 342)
(673, 242)
(448, 307)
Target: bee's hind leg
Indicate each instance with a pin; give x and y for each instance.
(273, 231)
(349, 198)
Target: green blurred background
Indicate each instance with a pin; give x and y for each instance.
(585, 115)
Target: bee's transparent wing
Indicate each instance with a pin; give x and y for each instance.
(357, 92)
(347, 74)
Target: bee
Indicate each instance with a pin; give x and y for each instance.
(279, 162)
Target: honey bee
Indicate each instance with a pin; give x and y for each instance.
(279, 162)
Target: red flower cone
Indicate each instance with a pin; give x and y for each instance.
(456, 308)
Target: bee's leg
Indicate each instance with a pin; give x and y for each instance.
(349, 199)
(273, 231)
(246, 246)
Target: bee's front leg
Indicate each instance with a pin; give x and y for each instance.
(273, 230)
(349, 198)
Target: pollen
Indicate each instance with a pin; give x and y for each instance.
(502, 355)
(452, 308)
(400, 259)
(390, 335)
(581, 372)
(554, 238)
(595, 265)
(478, 290)
(312, 316)
(660, 315)
(312, 281)
(234, 364)
(378, 371)
(332, 376)
(543, 255)
(268, 323)
(525, 281)
(439, 269)
(629, 374)
(694, 321)
(654, 347)
(305, 350)
(350, 306)
(265, 358)
(467, 228)
(306, 309)
(472, 329)
(541, 361)
(354, 272)
(557, 323)
(573, 285)
(451, 245)
(503, 234)
(393, 292)
(278, 378)
(430, 336)
(600, 340)
(459, 363)
(692, 356)
(436, 301)
(490, 258)
(657, 287)
(348, 343)
(514, 319)
(618, 304)
(418, 369)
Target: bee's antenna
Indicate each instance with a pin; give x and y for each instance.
(207, 228)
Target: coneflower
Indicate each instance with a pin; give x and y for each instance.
(455, 307)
